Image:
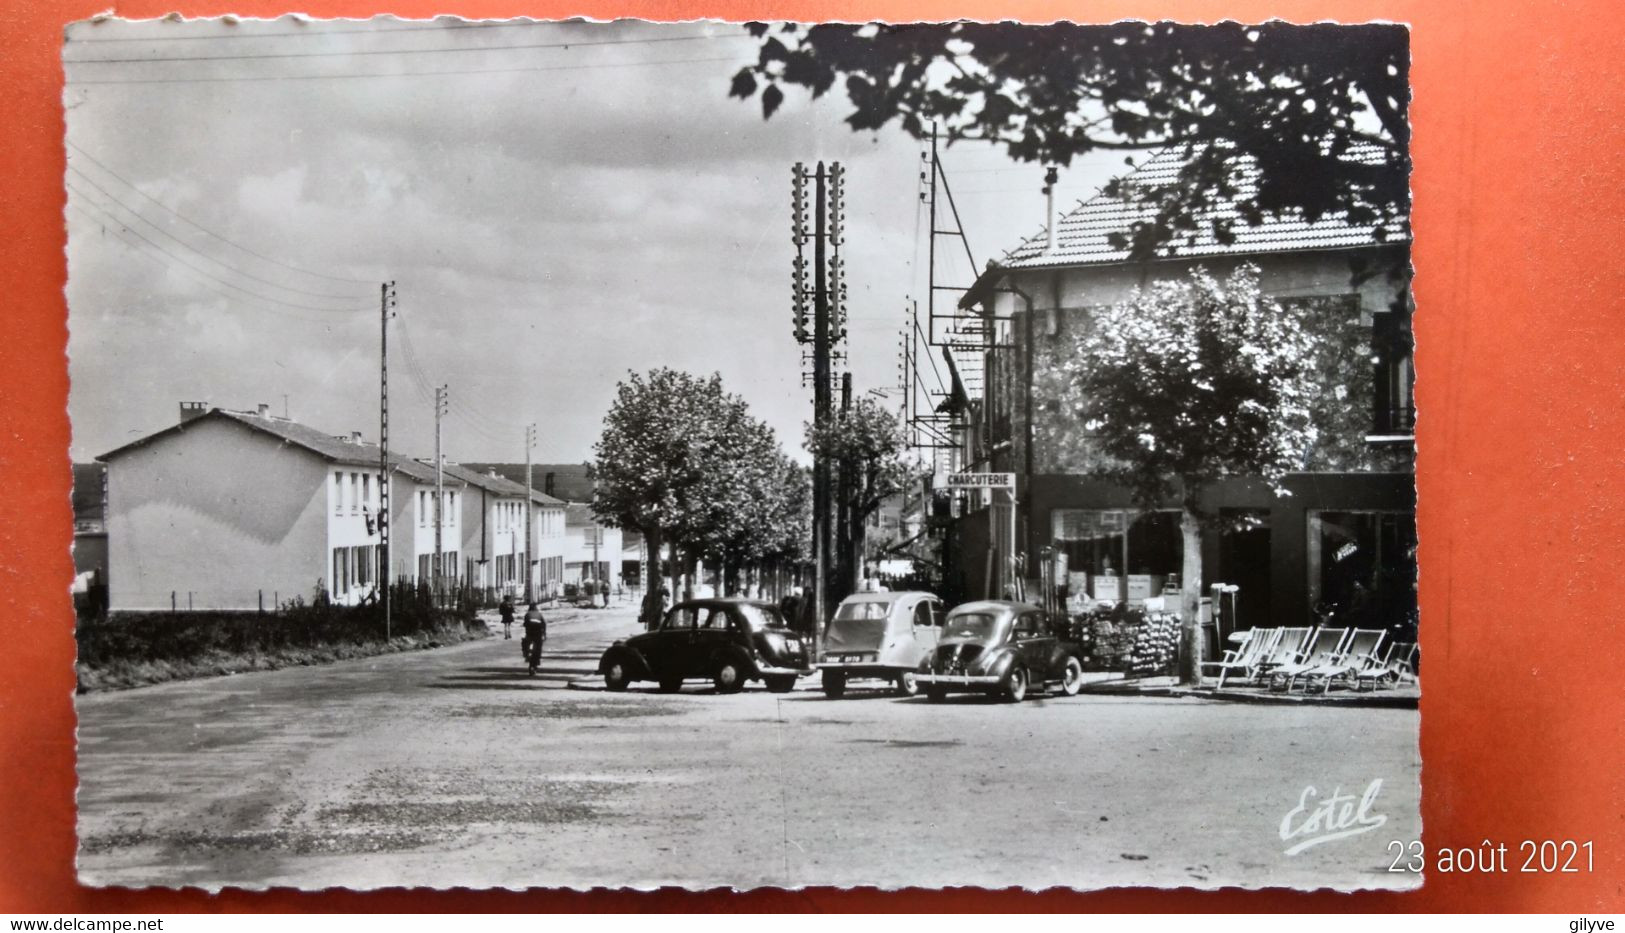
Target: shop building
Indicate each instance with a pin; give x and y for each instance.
(1346, 533)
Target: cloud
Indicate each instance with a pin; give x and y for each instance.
(548, 229)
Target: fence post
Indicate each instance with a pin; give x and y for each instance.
(172, 606)
(262, 602)
(188, 600)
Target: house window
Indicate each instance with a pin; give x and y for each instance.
(1394, 377)
(423, 508)
(338, 493)
(366, 491)
(341, 571)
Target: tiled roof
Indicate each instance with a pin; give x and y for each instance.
(1082, 233)
(579, 513)
(412, 469)
(327, 446)
(484, 480)
(515, 473)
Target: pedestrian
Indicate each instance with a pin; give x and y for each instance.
(535, 637)
(506, 609)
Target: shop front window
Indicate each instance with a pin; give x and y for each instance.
(1362, 568)
(1107, 544)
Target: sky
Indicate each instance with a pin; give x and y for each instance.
(557, 203)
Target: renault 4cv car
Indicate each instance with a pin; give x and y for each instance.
(1000, 648)
(879, 635)
(726, 641)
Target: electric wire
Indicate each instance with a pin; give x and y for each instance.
(429, 27)
(111, 226)
(331, 53)
(182, 217)
(216, 79)
(192, 249)
(126, 228)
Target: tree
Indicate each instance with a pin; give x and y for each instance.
(651, 459)
(1321, 112)
(1184, 383)
(686, 464)
(868, 441)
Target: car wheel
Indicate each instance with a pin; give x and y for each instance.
(907, 685)
(781, 683)
(1015, 685)
(1072, 677)
(671, 684)
(730, 676)
(834, 684)
(935, 694)
(615, 678)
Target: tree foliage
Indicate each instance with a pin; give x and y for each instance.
(1194, 380)
(684, 461)
(1321, 111)
(870, 441)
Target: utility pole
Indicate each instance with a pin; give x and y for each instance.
(386, 302)
(442, 402)
(827, 294)
(847, 558)
(530, 443)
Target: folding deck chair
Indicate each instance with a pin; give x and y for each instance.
(1286, 650)
(1399, 663)
(1358, 653)
(1324, 648)
(1254, 645)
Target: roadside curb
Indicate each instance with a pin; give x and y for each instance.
(1363, 701)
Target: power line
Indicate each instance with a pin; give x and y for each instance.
(248, 275)
(329, 53)
(106, 220)
(131, 185)
(366, 31)
(402, 74)
(252, 294)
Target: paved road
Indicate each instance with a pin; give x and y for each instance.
(452, 767)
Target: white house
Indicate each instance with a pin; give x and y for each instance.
(496, 554)
(238, 510)
(412, 521)
(592, 550)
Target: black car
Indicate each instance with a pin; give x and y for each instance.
(727, 641)
(1000, 648)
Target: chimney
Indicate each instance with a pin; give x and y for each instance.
(1050, 178)
(547, 484)
(190, 410)
(355, 437)
(265, 410)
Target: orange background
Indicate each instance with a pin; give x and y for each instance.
(1521, 393)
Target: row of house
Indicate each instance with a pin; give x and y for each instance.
(242, 510)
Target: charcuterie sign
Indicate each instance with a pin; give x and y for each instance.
(981, 481)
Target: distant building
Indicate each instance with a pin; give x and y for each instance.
(235, 510)
(569, 482)
(496, 555)
(89, 525)
(593, 551)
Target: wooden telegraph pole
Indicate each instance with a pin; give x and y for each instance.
(386, 302)
(442, 397)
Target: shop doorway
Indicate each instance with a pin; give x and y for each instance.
(1244, 560)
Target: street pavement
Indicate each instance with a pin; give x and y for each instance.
(452, 767)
